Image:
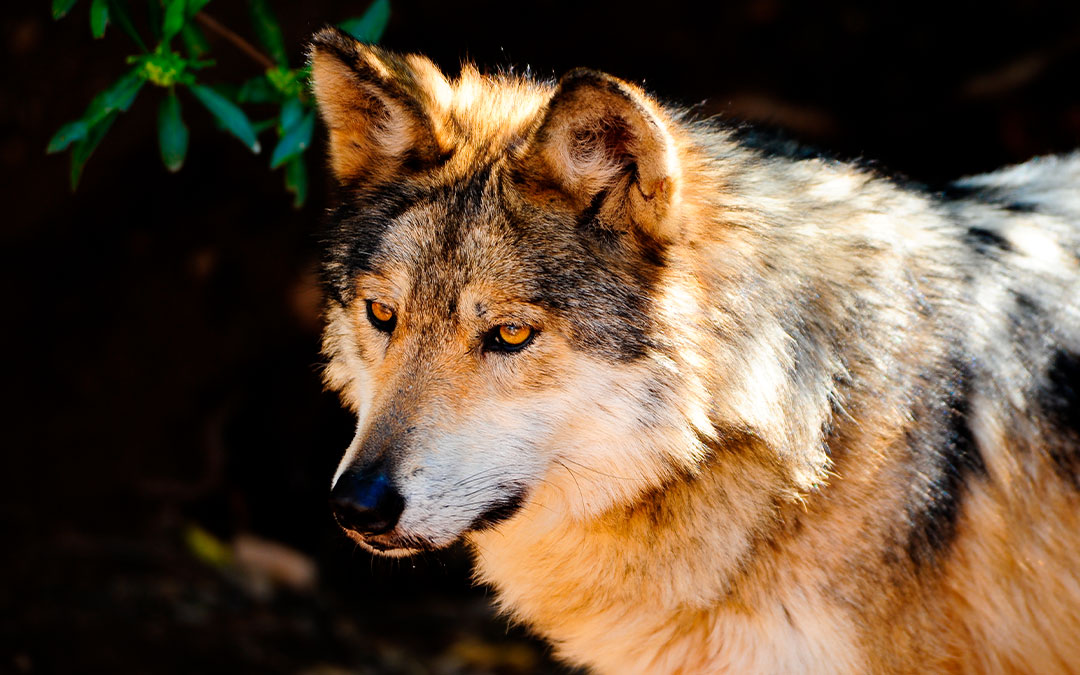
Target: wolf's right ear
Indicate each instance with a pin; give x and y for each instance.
(606, 149)
(378, 107)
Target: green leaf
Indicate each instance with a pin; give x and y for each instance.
(195, 41)
(60, 8)
(225, 111)
(296, 180)
(291, 112)
(172, 133)
(118, 12)
(99, 17)
(370, 26)
(84, 148)
(268, 30)
(257, 90)
(174, 19)
(121, 94)
(295, 141)
(118, 97)
(66, 135)
(287, 81)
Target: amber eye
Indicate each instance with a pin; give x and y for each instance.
(381, 316)
(509, 338)
(382, 312)
(514, 335)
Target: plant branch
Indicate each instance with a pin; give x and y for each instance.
(213, 25)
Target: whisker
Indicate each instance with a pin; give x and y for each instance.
(606, 475)
(581, 494)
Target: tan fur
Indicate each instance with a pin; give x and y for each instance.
(737, 500)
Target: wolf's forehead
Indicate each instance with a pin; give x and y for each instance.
(441, 246)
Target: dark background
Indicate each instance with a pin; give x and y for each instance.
(160, 331)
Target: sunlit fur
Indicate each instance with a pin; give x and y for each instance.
(781, 414)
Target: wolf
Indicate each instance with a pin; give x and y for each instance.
(698, 402)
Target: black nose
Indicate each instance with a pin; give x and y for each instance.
(366, 501)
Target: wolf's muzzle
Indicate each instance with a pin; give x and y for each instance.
(366, 501)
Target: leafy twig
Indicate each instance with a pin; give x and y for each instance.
(167, 68)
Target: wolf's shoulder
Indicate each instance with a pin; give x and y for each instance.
(1049, 184)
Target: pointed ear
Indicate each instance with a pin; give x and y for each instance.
(605, 148)
(378, 107)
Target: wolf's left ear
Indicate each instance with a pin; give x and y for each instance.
(606, 149)
(378, 107)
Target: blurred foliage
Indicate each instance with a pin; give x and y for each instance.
(173, 69)
(206, 547)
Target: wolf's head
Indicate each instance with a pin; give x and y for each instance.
(505, 316)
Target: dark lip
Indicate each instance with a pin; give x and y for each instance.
(378, 546)
(390, 543)
(386, 548)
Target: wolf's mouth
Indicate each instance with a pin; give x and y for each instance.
(395, 544)
(379, 546)
(389, 544)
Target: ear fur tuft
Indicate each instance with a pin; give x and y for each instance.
(377, 107)
(604, 139)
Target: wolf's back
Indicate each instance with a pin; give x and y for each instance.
(1049, 184)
